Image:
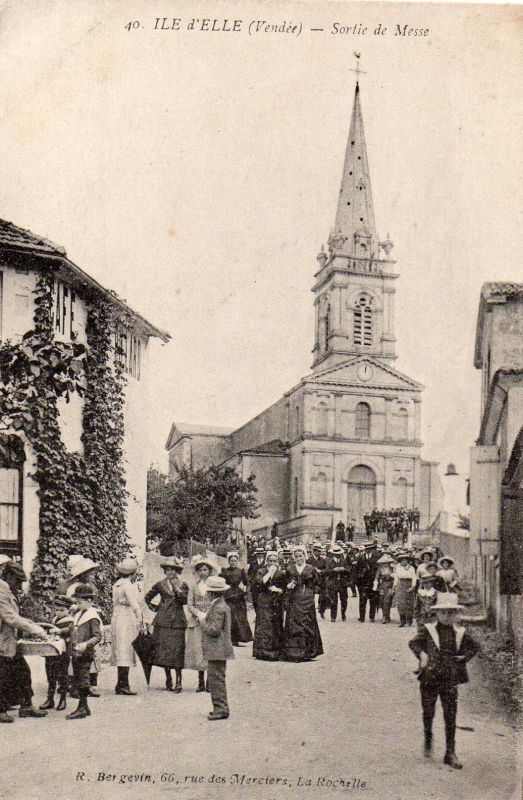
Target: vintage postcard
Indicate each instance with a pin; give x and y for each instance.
(261, 400)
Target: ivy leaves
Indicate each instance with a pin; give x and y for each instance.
(82, 496)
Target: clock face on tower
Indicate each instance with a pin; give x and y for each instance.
(365, 372)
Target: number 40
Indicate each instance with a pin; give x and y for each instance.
(132, 26)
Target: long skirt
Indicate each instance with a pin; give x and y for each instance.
(268, 632)
(169, 647)
(240, 628)
(194, 658)
(405, 599)
(124, 630)
(301, 636)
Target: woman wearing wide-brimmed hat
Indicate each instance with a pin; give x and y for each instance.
(126, 622)
(197, 601)
(238, 583)
(170, 622)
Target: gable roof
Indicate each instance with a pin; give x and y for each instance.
(19, 240)
(179, 429)
(334, 374)
(492, 293)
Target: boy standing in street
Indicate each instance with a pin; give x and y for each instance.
(85, 635)
(443, 649)
(217, 645)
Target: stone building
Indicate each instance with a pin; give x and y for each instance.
(496, 471)
(23, 256)
(346, 439)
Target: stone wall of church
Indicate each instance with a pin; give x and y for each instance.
(198, 451)
(272, 482)
(269, 425)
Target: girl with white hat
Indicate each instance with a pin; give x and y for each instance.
(126, 622)
(198, 600)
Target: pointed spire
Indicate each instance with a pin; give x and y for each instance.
(355, 228)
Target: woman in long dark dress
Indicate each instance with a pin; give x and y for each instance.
(268, 633)
(235, 598)
(301, 636)
(170, 622)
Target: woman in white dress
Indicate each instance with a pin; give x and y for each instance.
(126, 623)
(197, 600)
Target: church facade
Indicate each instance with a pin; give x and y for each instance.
(346, 438)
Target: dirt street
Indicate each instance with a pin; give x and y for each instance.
(348, 724)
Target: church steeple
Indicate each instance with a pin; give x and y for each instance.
(354, 289)
(354, 231)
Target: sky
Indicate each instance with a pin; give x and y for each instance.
(197, 173)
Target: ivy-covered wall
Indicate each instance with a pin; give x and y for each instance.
(82, 496)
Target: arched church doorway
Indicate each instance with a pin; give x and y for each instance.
(362, 494)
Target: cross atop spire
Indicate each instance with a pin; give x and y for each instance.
(355, 229)
(358, 71)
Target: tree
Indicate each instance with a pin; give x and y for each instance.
(160, 524)
(201, 504)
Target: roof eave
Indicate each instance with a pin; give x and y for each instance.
(85, 278)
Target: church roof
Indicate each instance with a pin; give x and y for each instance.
(492, 292)
(274, 447)
(25, 243)
(179, 429)
(355, 208)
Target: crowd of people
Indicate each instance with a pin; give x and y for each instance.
(378, 574)
(199, 619)
(395, 522)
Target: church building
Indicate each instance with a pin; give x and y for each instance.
(346, 438)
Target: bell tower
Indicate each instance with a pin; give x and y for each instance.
(354, 289)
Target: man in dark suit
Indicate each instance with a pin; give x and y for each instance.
(337, 578)
(318, 562)
(217, 645)
(365, 569)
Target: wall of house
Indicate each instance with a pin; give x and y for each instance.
(431, 497)
(506, 335)
(70, 315)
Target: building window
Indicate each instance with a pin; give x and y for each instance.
(320, 489)
(363, 421)
(403, 424)
(322, 419)
(295, 504)
(363, 321)
(297, 421)
(128, 349)
(11, 471)
(401, 490)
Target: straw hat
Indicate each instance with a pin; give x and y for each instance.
(127, 566)
(217, 584)
(199, 561)
(385, 559)
(336, 550)
(72, 560)
(81, 566)
(445, 558)
(4, 559)
(231, 554)
(172, 562)
(446, 601)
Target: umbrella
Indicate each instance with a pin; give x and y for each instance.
(144, 647)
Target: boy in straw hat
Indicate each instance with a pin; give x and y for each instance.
(443, 649)
(217, 645)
